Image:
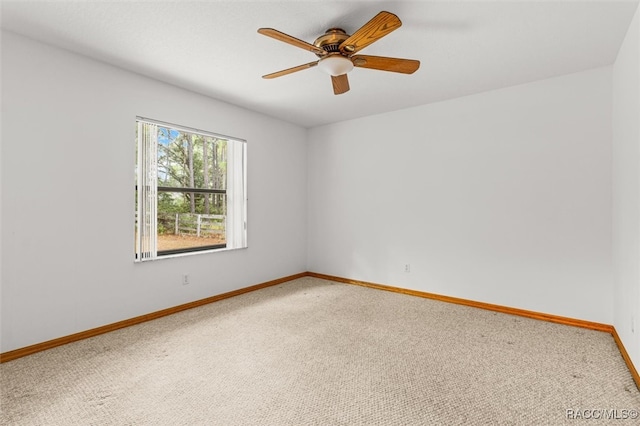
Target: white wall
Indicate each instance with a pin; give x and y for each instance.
(68, 199)
(502, 197)
(626, 190)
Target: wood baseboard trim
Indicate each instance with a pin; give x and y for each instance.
(38, 347)
(499, 308)
(488, 306)
(625, 356)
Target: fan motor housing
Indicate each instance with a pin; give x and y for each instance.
(331, 40)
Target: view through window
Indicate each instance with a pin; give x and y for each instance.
(189, 190)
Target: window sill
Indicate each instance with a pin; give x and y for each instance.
(189, 253)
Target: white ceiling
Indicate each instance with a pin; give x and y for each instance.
(212, 47)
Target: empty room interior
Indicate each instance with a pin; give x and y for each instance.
(273, 162)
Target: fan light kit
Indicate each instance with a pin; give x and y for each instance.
(337, 51)
(335, 65)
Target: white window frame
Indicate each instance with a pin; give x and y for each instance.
(146, 247)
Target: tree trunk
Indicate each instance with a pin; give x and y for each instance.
(191, 174)
(216, 184)
(205, 166)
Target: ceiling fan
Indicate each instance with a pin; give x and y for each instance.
(337, 51)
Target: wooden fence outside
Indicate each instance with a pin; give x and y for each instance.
(200, 225)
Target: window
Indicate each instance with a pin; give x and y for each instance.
(190, 191)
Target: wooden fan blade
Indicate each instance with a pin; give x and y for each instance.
(383, 63)
(340, 84)
(270, 32)
(291, 70)
(379, 26)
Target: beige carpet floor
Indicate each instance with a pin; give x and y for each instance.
(313, 352)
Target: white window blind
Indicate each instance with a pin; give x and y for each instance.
(147, 184)
(236, 206)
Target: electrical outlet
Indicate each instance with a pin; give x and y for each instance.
(185, 279)
(407, 267)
